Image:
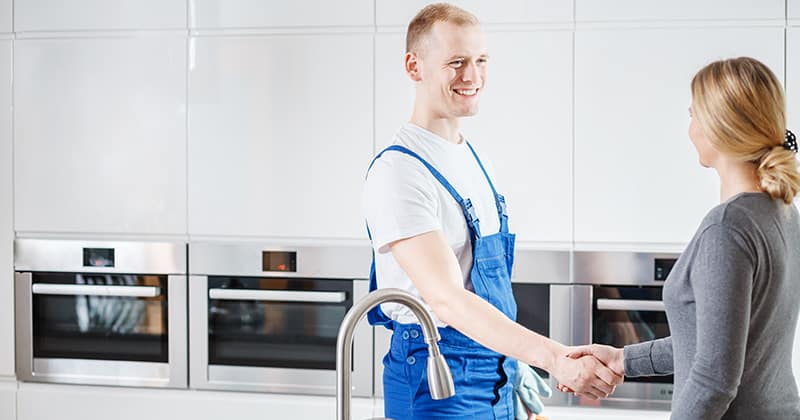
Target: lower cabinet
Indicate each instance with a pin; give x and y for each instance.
(66, 402)
(8, 399)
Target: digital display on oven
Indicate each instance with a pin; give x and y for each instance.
(662, 267)
(98, 257)
(285, 261)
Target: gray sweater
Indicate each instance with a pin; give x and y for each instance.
(732, 303)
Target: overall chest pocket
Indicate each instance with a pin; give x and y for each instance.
(492, 281)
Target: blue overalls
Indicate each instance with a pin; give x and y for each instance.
(483, 378)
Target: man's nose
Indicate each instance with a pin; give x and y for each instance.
(471, 73)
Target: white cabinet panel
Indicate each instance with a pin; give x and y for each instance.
(41, 401)
(632, 10)
(793, 9)
(100, 135)
(8, 400)
(637, 178)
(60, 15)
(6, 16)
(523, 127)
(793, 79)
(207, 14)
(393, 13)
(6, 217)
(280, 135)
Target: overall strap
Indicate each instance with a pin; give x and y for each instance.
(499, 200)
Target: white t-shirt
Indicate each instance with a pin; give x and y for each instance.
(402, 199)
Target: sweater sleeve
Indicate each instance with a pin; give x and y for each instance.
(650, 358)
(721, 277)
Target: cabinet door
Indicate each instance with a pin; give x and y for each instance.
(523, 127)
(399, 13)
(637, 10)
(6, 217)
(793, 10)
(793, 86)
(280, 135)
(100, 135)
(637, 177)
(6, 16)
(59, 15)
(8, 399)
(218, 14)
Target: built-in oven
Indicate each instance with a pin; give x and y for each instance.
(618, 301)
(265, 317)
(101, 312)
(540, 282)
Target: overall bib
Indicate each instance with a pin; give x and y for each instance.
(483, 378)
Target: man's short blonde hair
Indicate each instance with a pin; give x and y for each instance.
(422, 23)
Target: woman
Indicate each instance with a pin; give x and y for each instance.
(732, 298)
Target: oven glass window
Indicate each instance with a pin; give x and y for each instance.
(281, 330)
(104, 327)
(623, 325)
(533, 310)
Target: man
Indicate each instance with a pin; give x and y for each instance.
(439, 230)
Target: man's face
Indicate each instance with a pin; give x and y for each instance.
(451, 67)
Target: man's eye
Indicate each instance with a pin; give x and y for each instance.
(456, 63)
(483, 60)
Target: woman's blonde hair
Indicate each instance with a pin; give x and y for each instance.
(740, 106)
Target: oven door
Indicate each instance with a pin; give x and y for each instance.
(98, 328)
(623, 315)
(274, 334)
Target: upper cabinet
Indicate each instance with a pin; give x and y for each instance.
(280, 135)
(394, 13)
(793, 9)
(100, 135)
(638, 10)
(6, 16)
(637, 177)
(6, 217)
(793, 91)
(523, 126)
(237, 14)
(92, 15)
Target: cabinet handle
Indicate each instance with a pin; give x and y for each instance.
(94, 290)
(276, 295)
(630, 305)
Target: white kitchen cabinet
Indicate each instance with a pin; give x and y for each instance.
(394, 13)
(280, 135)
(793, 79)
(637, 178)
(8, 399)
(686, 10)
(793, 9)
(523, 126)
(236, 14)
(6, 16)
(59, 15)
(6, 217)
(100, 135)
(47, 401)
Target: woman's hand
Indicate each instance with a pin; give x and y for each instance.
(587, 375)
(613, 358)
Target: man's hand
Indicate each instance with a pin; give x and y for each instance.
(612, 357)
(586, 376)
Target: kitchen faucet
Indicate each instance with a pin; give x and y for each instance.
(440, 380)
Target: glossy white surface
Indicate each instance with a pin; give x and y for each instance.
(6, 16)
(793, 79)
(637, 179)
(59, 15)
(394, 13)
(688, 10)
(215, 14)
(523, 126)
(793, 9)
(100, 135)
(280, 135)
(43, 401)
(6, 217)
(8, 399)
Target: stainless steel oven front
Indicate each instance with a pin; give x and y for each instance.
(618, 302)
(101, 312)
(265, 317)
(540, 281)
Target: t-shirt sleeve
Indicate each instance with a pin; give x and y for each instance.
(399, 200)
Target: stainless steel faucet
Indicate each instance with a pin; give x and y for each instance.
(440, 380)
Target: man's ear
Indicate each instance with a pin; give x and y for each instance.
(412, 66)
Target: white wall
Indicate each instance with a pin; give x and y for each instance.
(6, 217)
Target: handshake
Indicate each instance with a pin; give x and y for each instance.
(591, 371)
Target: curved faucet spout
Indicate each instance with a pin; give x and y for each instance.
(440, 380)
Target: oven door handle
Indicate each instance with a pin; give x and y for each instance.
(277, 295)
(630, 305)
(94, 290)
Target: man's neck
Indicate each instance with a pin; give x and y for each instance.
(446, 128)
